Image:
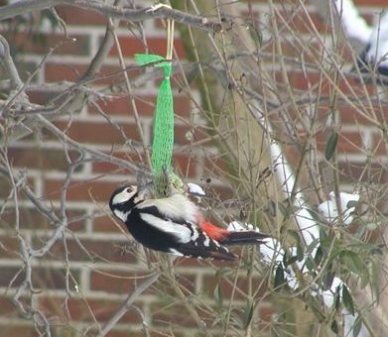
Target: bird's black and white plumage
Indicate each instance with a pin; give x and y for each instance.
(175, 225)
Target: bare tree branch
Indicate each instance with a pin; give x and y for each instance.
(127, 304)
(9, 64)
(96, 154)
(114, 12)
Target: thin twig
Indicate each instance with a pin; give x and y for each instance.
(127, 304)
(7, 59)
(131, 99)
(96, 154)
(114, 12)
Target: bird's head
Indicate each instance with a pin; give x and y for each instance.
(123, 200)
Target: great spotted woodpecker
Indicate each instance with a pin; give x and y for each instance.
(175, 225)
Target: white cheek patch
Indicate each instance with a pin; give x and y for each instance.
(121, 198)
(121, 215)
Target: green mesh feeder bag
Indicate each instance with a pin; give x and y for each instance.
(163, 131)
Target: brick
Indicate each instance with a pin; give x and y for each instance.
(291, 47)
(121, 105)
(108, 75)
(348, 142)
(298, 80)
(54, 278)
(58, 72)
(99, 133)
(229, 287)
(40, 43)
(81, 17)
(131, 45)
(80, 190)
(85, 309)
(299, 21)
(91, 250)
(5, 188)
(7, 307)
(319, 114)
(113, 76)
(8, 275)
(174, 314)
(145, 105)
(31, 218)
(351, 173)
(109, 252)
(353, 87)
(349, 114)
(107, 225)
(223, 192)
(25, 69)
(12, 330)
(215, 164)
(40, 96)
(345, 52)
(185, 279)
(104, 224)
(9, 245)
(349, 85)
(185, 165)
(129, 331)
(108, 167)
(380, 146)
(370, 3)
(186, 135)
(375, 200)
(266, 313)
(42, 277)
(40, 158)
(113, 281)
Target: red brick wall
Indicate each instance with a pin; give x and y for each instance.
(85, 276)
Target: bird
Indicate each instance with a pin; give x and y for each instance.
(175, 225)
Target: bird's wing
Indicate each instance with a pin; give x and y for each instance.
(211, 252)
(178, 229)
(176, 207)
(190, 239)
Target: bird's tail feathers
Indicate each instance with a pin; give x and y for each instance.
(244, 237)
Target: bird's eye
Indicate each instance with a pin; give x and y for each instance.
(128, 190)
